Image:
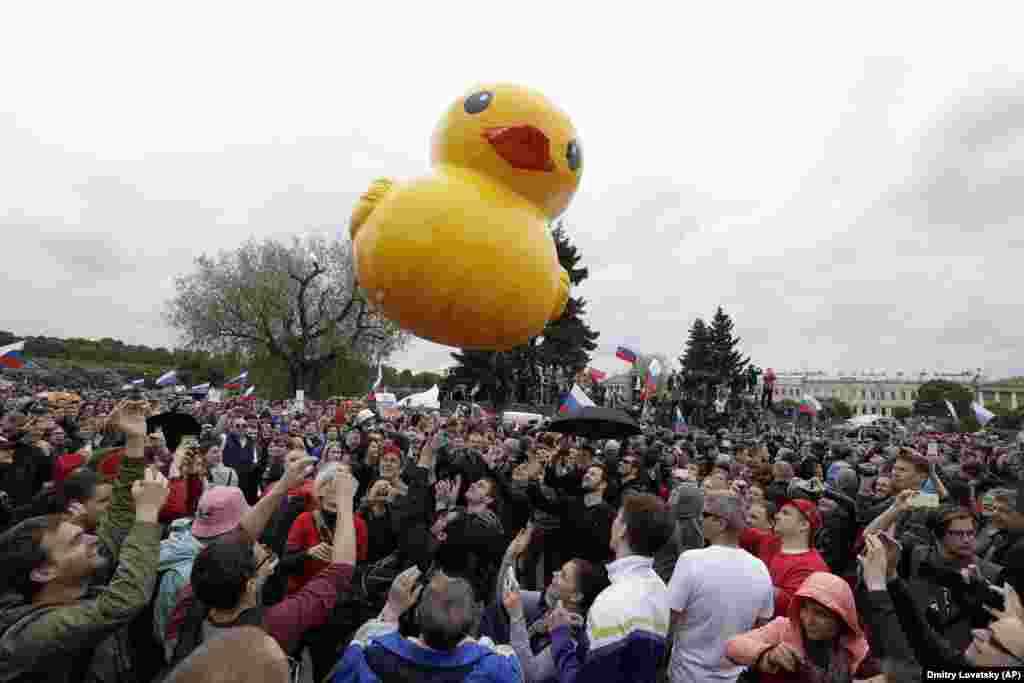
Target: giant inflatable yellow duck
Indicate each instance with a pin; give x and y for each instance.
(464, 256)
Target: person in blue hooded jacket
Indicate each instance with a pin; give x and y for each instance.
(446, 615)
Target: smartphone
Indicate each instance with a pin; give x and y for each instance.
(925, 500)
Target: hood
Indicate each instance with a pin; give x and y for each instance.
(464, 655)
(835, 594)
(180, 547)
(17, 653)
(687, 501)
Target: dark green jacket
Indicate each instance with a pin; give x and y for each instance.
(85, 641)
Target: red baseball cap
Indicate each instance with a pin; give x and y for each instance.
(808, 509)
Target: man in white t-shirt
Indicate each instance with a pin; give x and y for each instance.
(716, 593)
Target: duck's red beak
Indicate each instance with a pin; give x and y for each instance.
(524, 147)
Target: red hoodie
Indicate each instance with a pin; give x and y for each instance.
(827, 590)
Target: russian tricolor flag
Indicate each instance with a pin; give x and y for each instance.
(575, 400)
(679, 425)
(625, 354)
(12, 355)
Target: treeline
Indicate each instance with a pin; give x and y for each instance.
(348, 377)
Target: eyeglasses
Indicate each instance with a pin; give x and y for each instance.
(986, 635)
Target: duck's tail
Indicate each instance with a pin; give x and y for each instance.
(378, 188)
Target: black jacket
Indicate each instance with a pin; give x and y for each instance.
(585, 530)
(930, 648)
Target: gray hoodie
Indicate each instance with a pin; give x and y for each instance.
(687, 502)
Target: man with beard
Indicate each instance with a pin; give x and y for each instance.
(470, 541)
(586, 519)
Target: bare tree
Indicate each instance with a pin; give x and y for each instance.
(300, 303)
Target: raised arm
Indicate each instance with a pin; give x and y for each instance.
(256, 519)
(115, 525)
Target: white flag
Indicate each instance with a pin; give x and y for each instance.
(983, 415)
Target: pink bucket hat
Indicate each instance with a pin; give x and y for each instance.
(219, 511)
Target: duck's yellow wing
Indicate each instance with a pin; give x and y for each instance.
(370, 199)
(562, 299)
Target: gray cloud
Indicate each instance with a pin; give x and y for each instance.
(876, 248)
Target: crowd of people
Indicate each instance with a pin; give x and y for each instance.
(325, 541)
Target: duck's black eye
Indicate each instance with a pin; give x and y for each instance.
(574, 155)
(478, 102)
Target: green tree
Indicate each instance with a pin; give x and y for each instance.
(298, 303)
(696, 358)
(902, 412)
(841, 409)
(565, 344)
(932, 397)
(426, 380)
(726, 360)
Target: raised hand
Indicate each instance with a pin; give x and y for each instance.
(296, 472)
(150, 493)
(404, 591)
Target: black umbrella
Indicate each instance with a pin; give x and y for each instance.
(596, 423)
(174, 425)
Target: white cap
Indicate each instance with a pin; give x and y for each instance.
(364, 415)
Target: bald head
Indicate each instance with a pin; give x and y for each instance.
(240, 655)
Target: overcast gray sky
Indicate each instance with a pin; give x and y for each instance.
(848, 184)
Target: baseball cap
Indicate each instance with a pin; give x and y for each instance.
(808, 509)
(219, 511)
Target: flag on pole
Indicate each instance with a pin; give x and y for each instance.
(238, 382)
(168, 378)
(13, 355)
(248, 395)
(575, 400)
(809, 405)
(679, 425)
(952, 411)
(200, 389)
(651, 381)
(597, 375)
(626, 354)
(134, 383)
(380, 377)
(983, 415)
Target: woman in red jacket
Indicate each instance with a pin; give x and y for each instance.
(309, 539)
